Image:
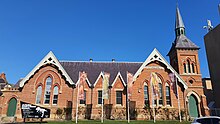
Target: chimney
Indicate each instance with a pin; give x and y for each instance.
(2, 75)
(90, 60)
(113, 60)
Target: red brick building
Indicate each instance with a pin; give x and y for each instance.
(52, 84)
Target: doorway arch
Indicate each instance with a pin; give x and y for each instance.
(12, 105)
(193, 106)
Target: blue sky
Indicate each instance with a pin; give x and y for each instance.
(77, 30)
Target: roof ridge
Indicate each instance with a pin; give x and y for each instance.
(98, 61)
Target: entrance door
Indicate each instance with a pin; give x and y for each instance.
(193, 106)
(12, 107)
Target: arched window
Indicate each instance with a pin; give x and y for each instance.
(184, 65)
(193, 68)
(47, 90)
(181, 31)
(38, 95)
(168, 102)
(55, 95)
(188, 64)
(160, 94)
(146, 98)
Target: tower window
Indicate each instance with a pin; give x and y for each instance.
(184, 66)
(193, 68)
(181, 31)
(190, 81)
(188, 64)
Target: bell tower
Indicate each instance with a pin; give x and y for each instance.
(184, 53)
(184, 59)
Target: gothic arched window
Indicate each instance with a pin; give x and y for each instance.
(38, 95)
(193, 68)
(160, 94)
(168, 101)
(55, 95)
(184, 66)
(47, 90)
(146, 98)
(188, 64)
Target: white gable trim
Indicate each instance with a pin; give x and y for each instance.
(48, 59)
(87, 80)
(100, 75)
(118, 75)
(156, 56)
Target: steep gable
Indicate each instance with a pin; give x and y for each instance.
(156, 56)
(47, 60)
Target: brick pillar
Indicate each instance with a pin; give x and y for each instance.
(205, 109)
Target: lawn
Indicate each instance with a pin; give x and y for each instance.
(117, 122)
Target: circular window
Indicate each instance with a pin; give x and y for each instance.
(190, 81)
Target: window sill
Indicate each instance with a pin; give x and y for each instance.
(119, 105)
(82, 105)
(99, 105)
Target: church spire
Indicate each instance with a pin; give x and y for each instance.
(180, 28)
(181, 41)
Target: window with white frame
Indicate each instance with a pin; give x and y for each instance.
(47, 90)
(55, 95)
(99, 97)
(146, 98)
(119, 97)
(38, 95)
(168, 101)
(160, 94)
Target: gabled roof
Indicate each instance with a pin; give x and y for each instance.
(94, 69)
(156, 56)
(48, 59)
(120, 77)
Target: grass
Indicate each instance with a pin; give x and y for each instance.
(115, 122)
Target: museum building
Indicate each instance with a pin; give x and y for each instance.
(52, 84)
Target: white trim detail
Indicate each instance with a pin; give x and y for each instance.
(118, 75)
(48, 59)
(87, 80)
(156, 56)
(100, 75)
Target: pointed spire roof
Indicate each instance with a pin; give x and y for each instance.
(179, 20)
(181, 41)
